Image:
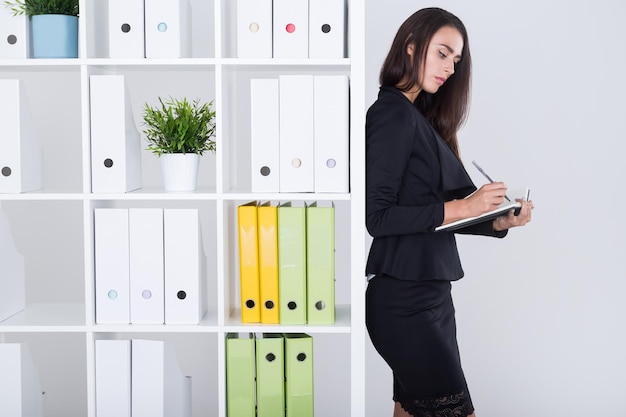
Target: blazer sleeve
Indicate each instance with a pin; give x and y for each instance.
(483, 229)
(390, 134)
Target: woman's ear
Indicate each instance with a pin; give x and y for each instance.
(410, 49)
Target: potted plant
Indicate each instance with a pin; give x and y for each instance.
(179, 132)
(54, 26)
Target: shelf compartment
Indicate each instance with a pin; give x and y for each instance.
(197, 357)
(53, 101)
(59, 360)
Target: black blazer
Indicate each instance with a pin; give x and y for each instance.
(410, 173)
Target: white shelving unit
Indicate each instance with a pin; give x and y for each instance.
(53, 227)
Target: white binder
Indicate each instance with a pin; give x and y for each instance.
(331, 116)
(254, 28)
(291, 28)
(185, 267)
(112, 266)
(20, 390)
(21, 166)
(14, 35)
(296, 133)
(12, 280)
(159, 387)
(126, 29)
(113, 378)
(327, 28)
(115, 141)
(168, 28)
(264, 135)
(147, 276)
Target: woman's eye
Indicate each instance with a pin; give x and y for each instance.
(442, 55)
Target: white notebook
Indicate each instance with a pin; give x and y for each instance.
(503, 209)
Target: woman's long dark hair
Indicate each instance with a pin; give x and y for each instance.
(447, 109)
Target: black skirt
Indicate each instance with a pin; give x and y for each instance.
(412, 326)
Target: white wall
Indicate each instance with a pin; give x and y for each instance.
(540, 313)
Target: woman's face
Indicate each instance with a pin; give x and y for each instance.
(443, 53)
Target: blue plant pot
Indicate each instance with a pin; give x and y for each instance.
(55, 36)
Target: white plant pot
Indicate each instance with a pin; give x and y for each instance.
(180, 171)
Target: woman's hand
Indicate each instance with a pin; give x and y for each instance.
(486, 198)
(511, 220)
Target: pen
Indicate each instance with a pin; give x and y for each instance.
(487, 176)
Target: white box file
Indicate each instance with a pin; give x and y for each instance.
(185, 267)
(115, 141)
(20, 390)
(265, 135)
(254, 28)
(332, 131)
(112, 266)
(14, 35)
(159, 387)
(21, 161)
(168, 28)
(291, 28)
(327, 28)
(147, 276)
(296, 133)
(113, 378)
(126, 29)
(12, 279)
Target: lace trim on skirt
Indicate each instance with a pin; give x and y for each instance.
(455, 405)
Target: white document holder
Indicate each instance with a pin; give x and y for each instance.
(296, 133)
(331, 116)
(21, 163)
(20, 390)
(147, 276)
(168, 28)
(159, 387)
(115, 140)
(327, 28)
(113, 378)
(264, 135)
(291, 28)
(112, 266)
(14, 35)
(12, 279)
(254, 28)
(185, 267)
(126, 29)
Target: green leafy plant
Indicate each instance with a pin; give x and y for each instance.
(178, 126)
(37, 7)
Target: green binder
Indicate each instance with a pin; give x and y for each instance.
(270, 374)
(292, 262)
(320, 253)
(299, 375)
(240, 386)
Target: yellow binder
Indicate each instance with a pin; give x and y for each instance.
(248, 262)
(320, 262)
(268, 263)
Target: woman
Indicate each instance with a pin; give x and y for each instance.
(414, 183)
